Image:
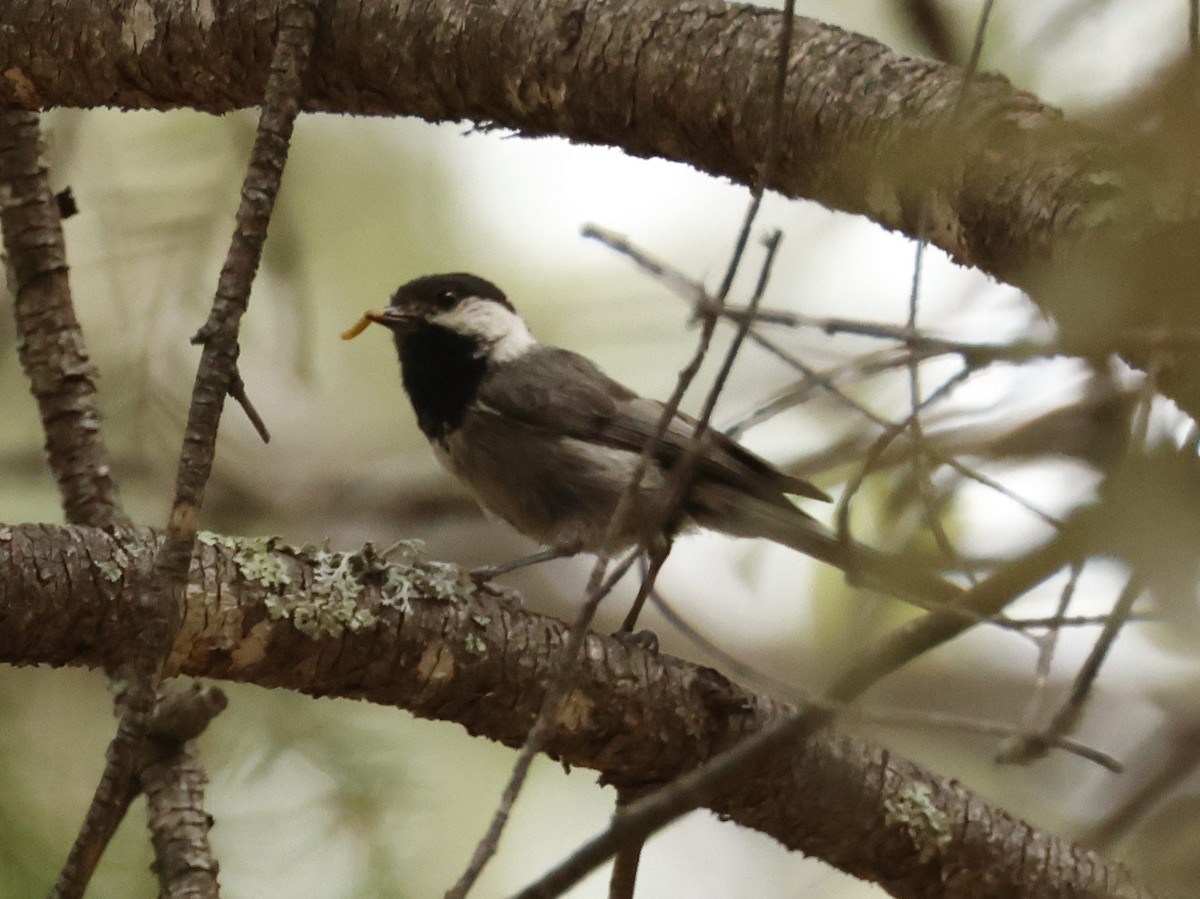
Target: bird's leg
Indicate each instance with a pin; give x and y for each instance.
(487, 572)
(657, 553)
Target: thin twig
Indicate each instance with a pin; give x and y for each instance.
(1028, 744)
(158, 598)
(966, 724)
(624, 507)
(920, 470)
(842, 514)
(623, 881)
(1067, 716)
(681, 477)
(685, 793)
(693, 292)
(488, 844)
(985, 14)
(237, 390)
(559, 684)
(925, 345)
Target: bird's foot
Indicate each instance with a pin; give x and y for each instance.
(645, 640)
(501, 592)
(486, 573)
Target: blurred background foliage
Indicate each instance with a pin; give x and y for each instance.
(332, 799)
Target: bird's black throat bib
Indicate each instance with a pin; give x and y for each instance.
(442, 371)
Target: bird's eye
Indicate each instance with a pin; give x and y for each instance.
(446, 300)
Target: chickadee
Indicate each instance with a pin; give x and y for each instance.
(548, 442)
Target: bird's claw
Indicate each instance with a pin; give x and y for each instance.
(483, 580)
(645, 640)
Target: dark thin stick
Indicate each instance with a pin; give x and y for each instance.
(682, 476)
(977, 47)
(974, 355)
(842, 514)
(159, 597)
(920, 469)
(560, 682)
(534, 741)
(687, 792)
(965, 724)
(1067, 716)
(771, 243)
(536, 738)
(658, 557)
(237, 390)
(683, 794)
(1071, 621)
(623, 882)
(925, 345)
(1028, 744)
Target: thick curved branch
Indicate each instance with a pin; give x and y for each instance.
(420, 636)
(986, 172)
(866, 130)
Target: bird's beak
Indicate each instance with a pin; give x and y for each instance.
(392, 317)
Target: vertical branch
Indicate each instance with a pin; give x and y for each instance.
(51, 344)
(158, 598)
(217, 373)
(920, 462)
(173, 780)
(55, 360)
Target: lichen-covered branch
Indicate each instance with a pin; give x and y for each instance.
(421, 636)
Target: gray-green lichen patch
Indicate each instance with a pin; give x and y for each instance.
(415, 575)
(474, 645)
(113, 569)
(254, 556)
(926, 824)
(330, 604)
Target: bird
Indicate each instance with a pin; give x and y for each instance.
(549, 443)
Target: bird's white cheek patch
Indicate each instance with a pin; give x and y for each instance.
(501, 330)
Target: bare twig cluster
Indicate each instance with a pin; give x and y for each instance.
(153, 749)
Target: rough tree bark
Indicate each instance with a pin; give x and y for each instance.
(988, 173)
(420, 636)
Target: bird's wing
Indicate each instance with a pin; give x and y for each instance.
(562, 392)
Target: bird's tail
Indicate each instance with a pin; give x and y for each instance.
(740, 515)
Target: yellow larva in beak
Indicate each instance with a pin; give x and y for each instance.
(361, 325)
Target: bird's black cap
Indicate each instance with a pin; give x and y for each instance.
(431, 290)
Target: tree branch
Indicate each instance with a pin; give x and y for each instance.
(421, 636)
(1003, 182)
(51, 344)
(690, 82)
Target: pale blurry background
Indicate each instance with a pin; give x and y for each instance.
(332, 799)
